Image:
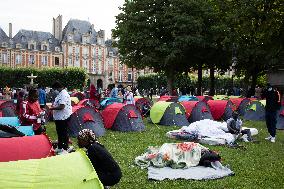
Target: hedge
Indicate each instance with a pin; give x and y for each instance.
(72, 78)
(185, 80)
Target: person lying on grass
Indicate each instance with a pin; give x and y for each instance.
(234, 125)
(106, 167)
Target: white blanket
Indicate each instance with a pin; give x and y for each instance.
(194, 173)
(211, 132)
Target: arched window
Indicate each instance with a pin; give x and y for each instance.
(32, 47)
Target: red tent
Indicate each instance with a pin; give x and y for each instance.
(221, 109)
(7, 108)
(24, 148)
(122, 117)
(204, 98)
(168, 98)
(188, 106)
(79, 95)
(90, 102)
(110, 112)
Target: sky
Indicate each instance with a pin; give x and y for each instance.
(37, 14)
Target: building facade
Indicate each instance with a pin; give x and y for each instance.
(77, 45)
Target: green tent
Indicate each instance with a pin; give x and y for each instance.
(68, 171)
(158, 110)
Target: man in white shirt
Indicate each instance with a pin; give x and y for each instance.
(62, 111)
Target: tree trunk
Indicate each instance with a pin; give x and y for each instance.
(199, 81)
(170, 81)
(212, 81)
(253, 83)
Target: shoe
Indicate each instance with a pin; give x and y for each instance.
(268, 138)
(272, 139)
(70, 149)
(245, 140)
(57, 150)
(62, 152)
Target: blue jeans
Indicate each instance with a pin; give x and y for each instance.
(271, 120)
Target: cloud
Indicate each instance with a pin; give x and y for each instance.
(38, 14)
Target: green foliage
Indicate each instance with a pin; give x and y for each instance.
(184, 80)
(69, 77)
(259, 166)
(256, 26)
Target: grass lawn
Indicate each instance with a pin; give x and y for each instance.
(260, 166)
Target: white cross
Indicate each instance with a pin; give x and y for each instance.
(32, 77)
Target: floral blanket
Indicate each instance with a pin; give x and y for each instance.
(174, 155)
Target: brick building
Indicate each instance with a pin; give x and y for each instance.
(77, 45)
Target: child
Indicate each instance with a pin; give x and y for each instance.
(234, 125)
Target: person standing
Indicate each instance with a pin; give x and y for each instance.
(62, 111)
(41, 97)
(128, 96)
(272, 106)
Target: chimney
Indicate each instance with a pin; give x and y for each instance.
(10, 30)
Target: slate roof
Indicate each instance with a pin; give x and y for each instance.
(110, 48)
(78, 28)
(24, 36)
(3, 36)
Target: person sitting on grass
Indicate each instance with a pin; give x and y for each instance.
(234, 125)
(106, 167)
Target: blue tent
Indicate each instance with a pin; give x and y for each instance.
(109, 101)
(187, 98)
(14, 122)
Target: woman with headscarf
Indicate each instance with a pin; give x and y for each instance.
(31, 113)
(106, 167)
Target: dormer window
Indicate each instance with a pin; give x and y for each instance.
(85, 39)
(23, 38)
(70, 38)
(32, 45)
(57, 49)
(44, 47)
(18, 46)
(4, 44)
(110, 53)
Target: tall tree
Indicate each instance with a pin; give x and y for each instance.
(257, 27)
(161, 34)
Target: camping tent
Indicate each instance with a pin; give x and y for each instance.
(9, 131)
(280, 119)
(14, 121)
(168, 98)
(123, 117)
(7, 108)
(90, 102)
(84, 117)
(79, 95)
(204, 98)
(74, 100)
(240, 104)
(73, 170)
(109, 101)
(220, 97)
(196, 111)
(168, 113)
(255, 111)
(221, 109)
(26, 147)
(187, 98)
(143, 105)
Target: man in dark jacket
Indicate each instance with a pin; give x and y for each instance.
(272, 97)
